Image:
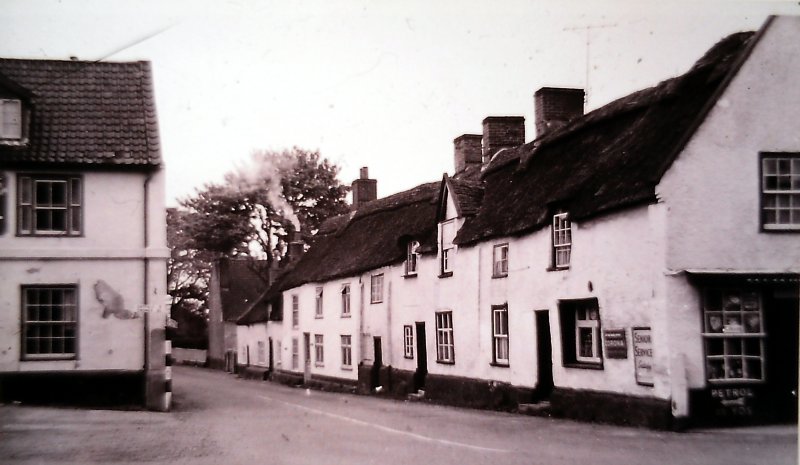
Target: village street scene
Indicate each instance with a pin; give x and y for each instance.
(536, 233)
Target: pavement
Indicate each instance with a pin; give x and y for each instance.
(220, 419)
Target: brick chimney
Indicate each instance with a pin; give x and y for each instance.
(555, 107)
(295, 248)
(501, 132)
(364, 189)
(468, 151)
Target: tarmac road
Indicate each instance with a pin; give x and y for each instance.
(220, 419)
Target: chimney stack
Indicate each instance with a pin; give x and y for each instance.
(555, 107)
(364, 189)
(468, 151)
(295, 247)
(500, 132)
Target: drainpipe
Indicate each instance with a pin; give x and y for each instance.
(389, 321)
(146, 262)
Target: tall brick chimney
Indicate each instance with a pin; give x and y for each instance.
(555, 107)
(468, 151)
(295, 246)
(501, 132)
(364, 189)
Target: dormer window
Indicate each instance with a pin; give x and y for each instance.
(412, 255)
(447, 232)
(562, 241)
(500, 261)
(10, 120)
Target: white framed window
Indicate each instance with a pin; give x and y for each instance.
(261, 353)
(780, 191)
(562, 240)
(295, 354)
(49, 322)
(408, 341)
(346, 299)
(295, 310)
(347, 352)
(500, 260)
(49, 205)
(500, 334)
(580, 333)
(319, 350)
(10, 119)
(412, 258)
(445, 348)
(318, 302)
(376, 288)
(734, 336)
(278, 354)
(447, 233)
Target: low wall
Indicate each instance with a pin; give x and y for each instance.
(120, 389)
(197, 357)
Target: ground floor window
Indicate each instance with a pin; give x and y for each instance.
(319, 350)
(262, 355)
(347, 351)
(295, 354)
(734, 334)
(445, 350)
(580, 333)
(49, 322)
(500, 334)
(408, 341)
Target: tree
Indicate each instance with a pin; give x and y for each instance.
(252, 212)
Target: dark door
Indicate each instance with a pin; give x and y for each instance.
(422, 357)
(307, 368)
(271, 362)
(544, 355)
(781, 320)
(377, 362)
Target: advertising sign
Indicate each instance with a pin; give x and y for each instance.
(643, 356)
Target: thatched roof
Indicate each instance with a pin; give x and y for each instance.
(609, 159)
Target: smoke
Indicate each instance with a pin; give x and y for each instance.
(265, 172)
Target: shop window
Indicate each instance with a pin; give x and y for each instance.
(49, 205)
(49, 322)
(445, 349)
(734, 335)
(780, 191)
(580, 333)
(408, 341)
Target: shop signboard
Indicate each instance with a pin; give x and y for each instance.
(643, 355)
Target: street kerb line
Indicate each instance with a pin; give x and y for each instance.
(386, 428)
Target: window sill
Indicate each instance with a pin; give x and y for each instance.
(319, 365)
(346, 315)
(562, 268)
(410, 357)
(499, 276)
(584, 365)
(347, 368)
(410, 275)
(446, 274)
(446, 362)
(376, 302)
(774, 228)
(318, 317)
(47, 358)
(500, 365)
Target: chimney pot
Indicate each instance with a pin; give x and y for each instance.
(364, 173)
(555, 107)
(500, 132)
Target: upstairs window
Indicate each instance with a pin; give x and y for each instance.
(295, 311)
(49, 205)
(376, 288)
(318, 302)
(10, 120)
(412, 258)
(780, 191)
(447, 233)
(500, 261)
(346, 299)
(562, 241)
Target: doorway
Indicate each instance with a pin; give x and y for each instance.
(422, 357)
(307, 359)
(544, 355)
(375, 380)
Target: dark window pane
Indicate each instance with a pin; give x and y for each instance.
(715, 347)
(59, 220)
(585, 335)
(43, 197)
(58, 191)
(43, 222)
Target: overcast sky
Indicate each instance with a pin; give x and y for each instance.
(382, 84)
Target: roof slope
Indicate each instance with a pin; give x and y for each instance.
(372, 238)
(241, 283)
(611, 158)
(96, 113)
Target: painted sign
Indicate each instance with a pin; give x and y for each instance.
(643, 356)
(733, 401)
(616, 342)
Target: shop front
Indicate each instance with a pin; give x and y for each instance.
(750, 348)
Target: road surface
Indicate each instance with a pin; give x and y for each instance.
(219, 419)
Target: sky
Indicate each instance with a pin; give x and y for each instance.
(387, 85)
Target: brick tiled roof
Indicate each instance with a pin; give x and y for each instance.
(83, 113)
